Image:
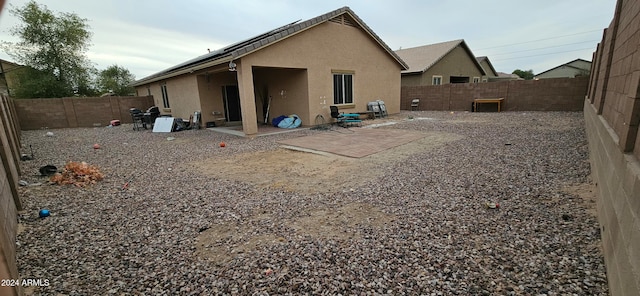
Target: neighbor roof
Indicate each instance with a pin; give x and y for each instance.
(250, 45)
(421, 58)
(7, 66)
(567, 65)
(484, 58)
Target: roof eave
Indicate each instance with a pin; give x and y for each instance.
(187, 70)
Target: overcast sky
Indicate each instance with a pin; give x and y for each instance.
(147, 36)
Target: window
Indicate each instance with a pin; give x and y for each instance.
(484, 79)
(148, 90)
(476, 79)
(342, 88)
(436, 80)
(165, 96)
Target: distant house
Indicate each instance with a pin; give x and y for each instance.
(440, 63)
(505, 76)
(301, 68)
(489, 71)
(575, 68)
(6, 76)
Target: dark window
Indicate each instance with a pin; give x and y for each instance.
(342, 89)
(165, 96)
(436, 80)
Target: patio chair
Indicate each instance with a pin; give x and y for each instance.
(414, 104)
(344, 119)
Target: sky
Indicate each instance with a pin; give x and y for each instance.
(148, 36)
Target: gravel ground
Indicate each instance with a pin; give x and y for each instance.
(419, 226)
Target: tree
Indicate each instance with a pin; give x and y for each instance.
(116, 80)
(54, 47)
(526, 75)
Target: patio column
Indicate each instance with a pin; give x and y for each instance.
(247, 98)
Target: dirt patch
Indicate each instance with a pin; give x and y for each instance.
(222, 242)
(341, 223)
(587, 192)
(297, 171)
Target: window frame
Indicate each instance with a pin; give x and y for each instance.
(165, 96)
(345, 94)
(433, 79)
(476, 79)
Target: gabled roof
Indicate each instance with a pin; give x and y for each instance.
(7, 66)
(421, 58)
(486, 59)
(253, 44)
(569, 64)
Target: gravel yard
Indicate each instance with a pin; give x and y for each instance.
(253, 218)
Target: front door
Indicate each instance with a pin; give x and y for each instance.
(231, 98)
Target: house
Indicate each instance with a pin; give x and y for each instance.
(6, 76)
(489, 70)
(575, 68)
(301, 68)
(505, 76)
(440, 63)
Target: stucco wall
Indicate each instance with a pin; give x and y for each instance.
(288, 89)
(329, 47)
(487, 68)
(612, 116)
(210, 91)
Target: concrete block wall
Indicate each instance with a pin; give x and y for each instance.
(77, 112)
(612, 116)
(555, 94)
(9, 199)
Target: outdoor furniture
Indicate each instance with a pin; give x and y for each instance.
(138, 119)
(344, 119)
(150, 116)
(383, 108)
(369, 114)
(487, 101)
(414, 104)
(375, 108)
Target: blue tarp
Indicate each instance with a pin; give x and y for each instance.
(291, 121)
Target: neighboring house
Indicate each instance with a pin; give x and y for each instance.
(301, 68)
(440, 63)
(488, 68)
(6, 76)
(575, 68)
(505, 76)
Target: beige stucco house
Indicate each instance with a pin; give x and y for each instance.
(301, 68)
(575, 68)
(489, 70)
(440, 63)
